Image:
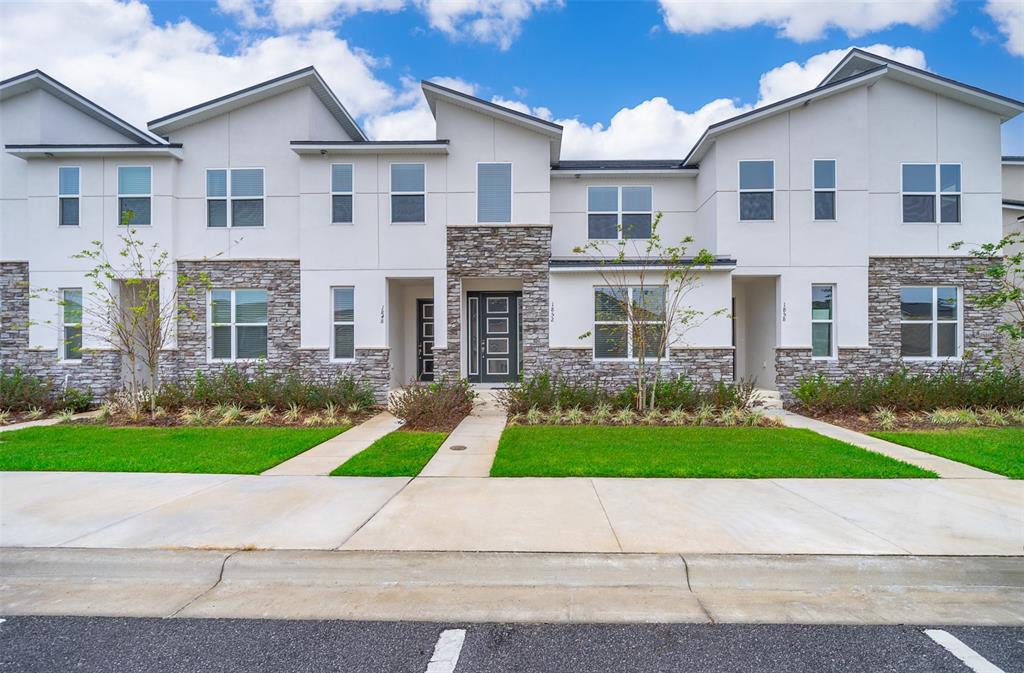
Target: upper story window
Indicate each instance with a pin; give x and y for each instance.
(238, 324)
(930, 189)
(929, 322)
(71, 323)
(344, 319)
(757, 190)
(824, 189)
(628, 321)
(494, 193)
(68, 191)
(619, 212)
(408, 196)
(234, 198)
(135, 195)
(341, 193)
(823, 343)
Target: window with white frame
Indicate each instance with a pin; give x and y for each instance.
(493, 193)
(929, 190)
(341, 193)
(68, 191)
(234, 197)
(929, 322)
(135, 195)
(343, 317)
(408, 196)
(71, 323)
(823, 331)
(619, 212)
(824, 189)
(238, 324)
(629, 321)
(757, 190)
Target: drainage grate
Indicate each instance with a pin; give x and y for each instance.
(457, 447)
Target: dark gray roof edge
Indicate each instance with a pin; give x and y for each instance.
(620, 165)
(567, 262)
(1013, 202)
(1013, 157)
(357, 143)
(100, 146)
(488, 103)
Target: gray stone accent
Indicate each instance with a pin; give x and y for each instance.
(701, 365)
(886, 275)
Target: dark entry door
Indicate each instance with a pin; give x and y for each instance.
(494, 336)
(425, 339)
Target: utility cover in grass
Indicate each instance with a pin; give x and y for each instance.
(398, 454)
(999, 450)
(639, 451)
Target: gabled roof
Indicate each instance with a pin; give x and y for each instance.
(37, 79)
(272, 87)
(434, 92)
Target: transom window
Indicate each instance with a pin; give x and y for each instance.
(929, 322)
(71, 323)
(234, 197)
(68, 191)
(408, 196)
(628, 322)
(238, 324)
(619, 212)
(344, 320)
(341, 193)
(757, 190)
(134, 195)
(494, 193)
(823, 321)
(930, 189)
(824, 189)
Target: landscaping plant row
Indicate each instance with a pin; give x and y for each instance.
(605, 414)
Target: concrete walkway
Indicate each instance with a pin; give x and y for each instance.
(477, 438)
(43, 422)
(323, 458)
(945, 468)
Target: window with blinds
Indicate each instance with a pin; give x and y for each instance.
(408, 196)
(68, 191)
(234, 197)
(135, 195)
(238, 324)
(341, 193)
(494, 193)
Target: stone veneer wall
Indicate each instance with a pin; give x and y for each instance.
(99, 370)
(705, 365)
(281, 279)
(886, 275)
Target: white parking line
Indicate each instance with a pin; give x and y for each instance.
(446, 651)
(955, 646)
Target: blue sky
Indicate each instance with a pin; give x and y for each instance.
(576, 60)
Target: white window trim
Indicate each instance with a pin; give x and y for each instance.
(233, 325)
(152, 210)
(740, 191)
(629, 324)
(835, 193)
(334, 357)
(937, 194)
(619, 212)
(511, 191)
(392, 192)
(935, 322)
(349, 193)
(834, 355)
(62, 346)
(77, 197)
(228, 198)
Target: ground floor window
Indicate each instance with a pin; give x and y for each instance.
(929, 322)
(71, 323)
(823, 321)
(238, 324)
(629, 321)
(344, 318)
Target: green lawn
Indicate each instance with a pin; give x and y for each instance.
(398, 454)
(607, 451)
(999, 450)
(88, 448)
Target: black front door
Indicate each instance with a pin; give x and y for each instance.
(495, 332)
(425, 339)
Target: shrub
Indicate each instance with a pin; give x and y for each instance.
(440, 405)
(547, 391)
(21, 392)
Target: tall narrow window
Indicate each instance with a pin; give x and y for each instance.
(344, 318)
(929, 322)
(823, 321)
(824, 189)
(628, 322)
(234, 198)
(134, 195)
(757, 190)
(68, 191)
(238, 324)
(341, 193)
(930, 190)
(408, 196)
(71, 323)
(494, 193)
(619, 212)
(949, 193)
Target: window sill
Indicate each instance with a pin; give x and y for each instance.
(413, 223)
(742, 221)
(222, 361)
(342, 361)
(928, 358)
(342, 224)
(69, 226)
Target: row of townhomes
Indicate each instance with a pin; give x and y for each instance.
(829, 215)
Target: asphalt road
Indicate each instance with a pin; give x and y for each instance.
(119, 645)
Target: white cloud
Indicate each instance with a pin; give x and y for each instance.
(414, 122)
(801, 20)
(492, 21)
(1009, 18)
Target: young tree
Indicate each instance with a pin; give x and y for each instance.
(645, 300)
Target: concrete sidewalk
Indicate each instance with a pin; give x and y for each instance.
(323, 458)
(470, 449)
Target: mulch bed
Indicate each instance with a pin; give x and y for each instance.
(863, 423)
